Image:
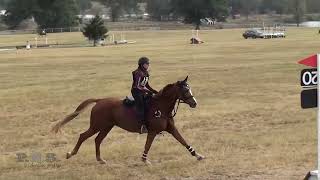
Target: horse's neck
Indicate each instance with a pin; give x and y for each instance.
(166, 102)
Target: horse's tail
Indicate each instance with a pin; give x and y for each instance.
(71, 116)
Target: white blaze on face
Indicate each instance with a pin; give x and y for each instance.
(194, 99)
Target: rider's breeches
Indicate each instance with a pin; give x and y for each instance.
(140, 104)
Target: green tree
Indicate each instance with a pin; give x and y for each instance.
(131, 6)
(117, 7)
(249, 6)
(95, 30)
(313, 6)
(220, 10)
(194, 10)
(244, 7)
(279, 6)
(56, 13)
(298, 8)
(3, 3)
(47, 13)
(159, 8)
(17, 11)
(84, 5)
(235, 6)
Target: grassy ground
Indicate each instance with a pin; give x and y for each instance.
(248, 124)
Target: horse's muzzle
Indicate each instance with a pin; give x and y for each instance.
(193, 105)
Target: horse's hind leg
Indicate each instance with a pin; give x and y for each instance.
(83, 136)
(102, 134)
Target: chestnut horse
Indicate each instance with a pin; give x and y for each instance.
(110, 112)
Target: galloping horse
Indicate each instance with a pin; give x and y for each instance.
(110, 112)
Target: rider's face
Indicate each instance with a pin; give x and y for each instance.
(146, 66)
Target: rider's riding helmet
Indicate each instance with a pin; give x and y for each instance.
(143, 60)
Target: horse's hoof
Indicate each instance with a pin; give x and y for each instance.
(68, 155)
(146, 161)
(200, 157)
(102, 161)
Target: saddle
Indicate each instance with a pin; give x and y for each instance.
(128, 102)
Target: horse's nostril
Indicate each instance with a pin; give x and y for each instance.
(193, 105)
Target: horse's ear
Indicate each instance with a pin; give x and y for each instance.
(185, 80)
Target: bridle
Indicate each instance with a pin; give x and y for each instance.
(182, 99)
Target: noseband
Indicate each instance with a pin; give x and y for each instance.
(184, 97)
(181, 99)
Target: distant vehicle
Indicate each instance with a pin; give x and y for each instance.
(87, 18)
(105, 17)
(79, 16)
(236, 16)
(3, 12)
(253, 33)
(265, 32)
(101, 42)
(42, 32)
(207, 21)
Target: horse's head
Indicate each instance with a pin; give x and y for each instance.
(185, 93)
(179, 90)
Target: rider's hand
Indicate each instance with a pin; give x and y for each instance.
(150, 93)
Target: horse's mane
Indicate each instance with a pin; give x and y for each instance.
(164, 90)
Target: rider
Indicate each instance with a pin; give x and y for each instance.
(140, 89)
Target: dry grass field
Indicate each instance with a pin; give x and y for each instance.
(248, 123)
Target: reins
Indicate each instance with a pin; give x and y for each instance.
(175, 110)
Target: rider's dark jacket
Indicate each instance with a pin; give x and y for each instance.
(140, 88)
(140, 81)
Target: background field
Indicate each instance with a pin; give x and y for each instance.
(248, 124)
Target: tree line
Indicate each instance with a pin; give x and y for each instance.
(62, 13)
(277, 6)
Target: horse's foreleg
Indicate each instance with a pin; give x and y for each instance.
(175, 133)
(98, 141)
(147, 146)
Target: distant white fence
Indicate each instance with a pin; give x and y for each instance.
(35, 31)
(68, 29)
